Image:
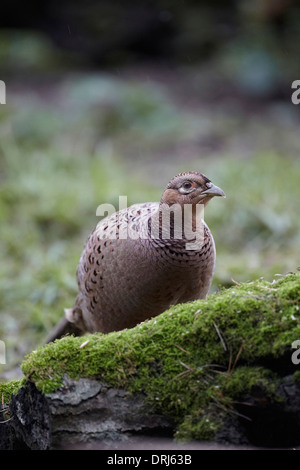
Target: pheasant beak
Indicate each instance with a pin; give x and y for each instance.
(214, 191)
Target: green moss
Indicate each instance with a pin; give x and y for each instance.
(296, 376)
(10, 388)
(200, 424)
(192, 360)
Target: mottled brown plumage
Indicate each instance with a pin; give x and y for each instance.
(139, 261)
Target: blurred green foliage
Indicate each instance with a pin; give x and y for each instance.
(83, 140)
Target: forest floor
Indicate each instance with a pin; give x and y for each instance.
(71, 141)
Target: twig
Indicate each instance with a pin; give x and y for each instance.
(6, 421)
(197, 314)
(220, 337)
(185, 365)
(230, 359)
(179, 347)
(231, 369)
(238, 355)
(228, 409)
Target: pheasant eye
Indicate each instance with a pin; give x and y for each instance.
(186, 187)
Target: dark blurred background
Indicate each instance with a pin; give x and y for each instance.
(104, 33)
(259, 38)
(115, 98)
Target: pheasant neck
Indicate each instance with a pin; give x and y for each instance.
(176, 222)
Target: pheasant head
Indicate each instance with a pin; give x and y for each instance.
(190, 188)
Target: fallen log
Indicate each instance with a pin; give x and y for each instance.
(225, 369)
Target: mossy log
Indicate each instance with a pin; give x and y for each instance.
(222, 369)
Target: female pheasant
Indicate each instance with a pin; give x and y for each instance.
(140, 260)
